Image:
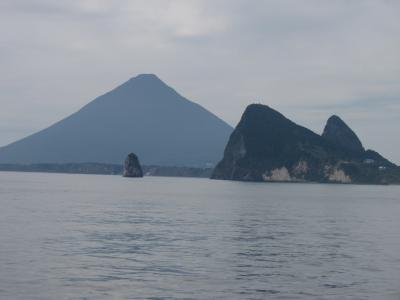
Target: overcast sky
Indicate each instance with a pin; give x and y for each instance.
(308, 59)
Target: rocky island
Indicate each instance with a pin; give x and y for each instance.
(266, 146)
(132, 166)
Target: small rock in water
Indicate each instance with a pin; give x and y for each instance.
(132, 166)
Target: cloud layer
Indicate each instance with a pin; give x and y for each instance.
(306, 58)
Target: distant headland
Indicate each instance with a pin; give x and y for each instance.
(266, 146)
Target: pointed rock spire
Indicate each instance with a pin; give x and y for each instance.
(340, 134)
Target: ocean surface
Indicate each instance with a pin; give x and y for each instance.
(108, 237)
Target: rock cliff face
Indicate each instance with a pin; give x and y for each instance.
(132, 166)
(266, 146)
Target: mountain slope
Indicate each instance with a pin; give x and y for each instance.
(143, 115)
(266, 146)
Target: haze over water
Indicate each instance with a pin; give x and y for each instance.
(108, 237)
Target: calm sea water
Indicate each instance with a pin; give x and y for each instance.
(108, 237)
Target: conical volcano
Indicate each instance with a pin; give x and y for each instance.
(143, 115)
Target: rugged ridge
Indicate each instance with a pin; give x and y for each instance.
(266, 146)
(144, 114)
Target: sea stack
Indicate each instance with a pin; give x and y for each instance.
(132, 166)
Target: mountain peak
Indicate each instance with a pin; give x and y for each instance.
(146, 76)
(258, 107)
(145, 87)
(335, 119)
(339, 133)
(261, 111)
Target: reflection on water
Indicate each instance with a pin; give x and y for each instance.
(108, 237)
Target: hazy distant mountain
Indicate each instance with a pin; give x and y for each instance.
(144, 116)
(266, 146)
